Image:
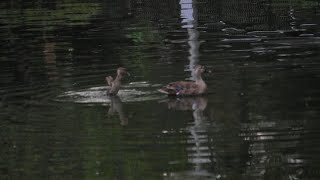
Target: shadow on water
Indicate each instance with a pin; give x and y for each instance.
(259, 121)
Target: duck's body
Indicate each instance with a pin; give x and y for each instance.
(184, 88)
(187, 88)
(115, 84)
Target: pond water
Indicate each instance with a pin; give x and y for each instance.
(260, 119)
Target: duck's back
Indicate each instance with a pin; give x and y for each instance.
(180, 88)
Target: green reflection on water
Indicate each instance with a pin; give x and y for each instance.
(62, 13)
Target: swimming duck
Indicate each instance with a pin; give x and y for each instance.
(115, 84)
(187, 88)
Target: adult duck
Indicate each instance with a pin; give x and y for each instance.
(115, 84)
(187, 88)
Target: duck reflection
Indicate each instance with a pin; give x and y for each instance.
(198, 146)
(116, 106)
(196, 104)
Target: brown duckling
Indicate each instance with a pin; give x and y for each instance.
(187, 88)
(115, 84)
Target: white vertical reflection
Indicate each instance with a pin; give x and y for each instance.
(190, 22)
(198, 151)
(198, 132)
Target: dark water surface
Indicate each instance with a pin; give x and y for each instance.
(261, 119)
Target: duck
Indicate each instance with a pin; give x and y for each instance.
(187, 88)
(115, 84)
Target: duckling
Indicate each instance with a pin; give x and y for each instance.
(115, 84)
(187, 88)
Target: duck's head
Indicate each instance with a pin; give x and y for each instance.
(122, 72)
(199, 69)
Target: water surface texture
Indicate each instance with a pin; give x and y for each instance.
(260, 119)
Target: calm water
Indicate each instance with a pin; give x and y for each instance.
(260, 119)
